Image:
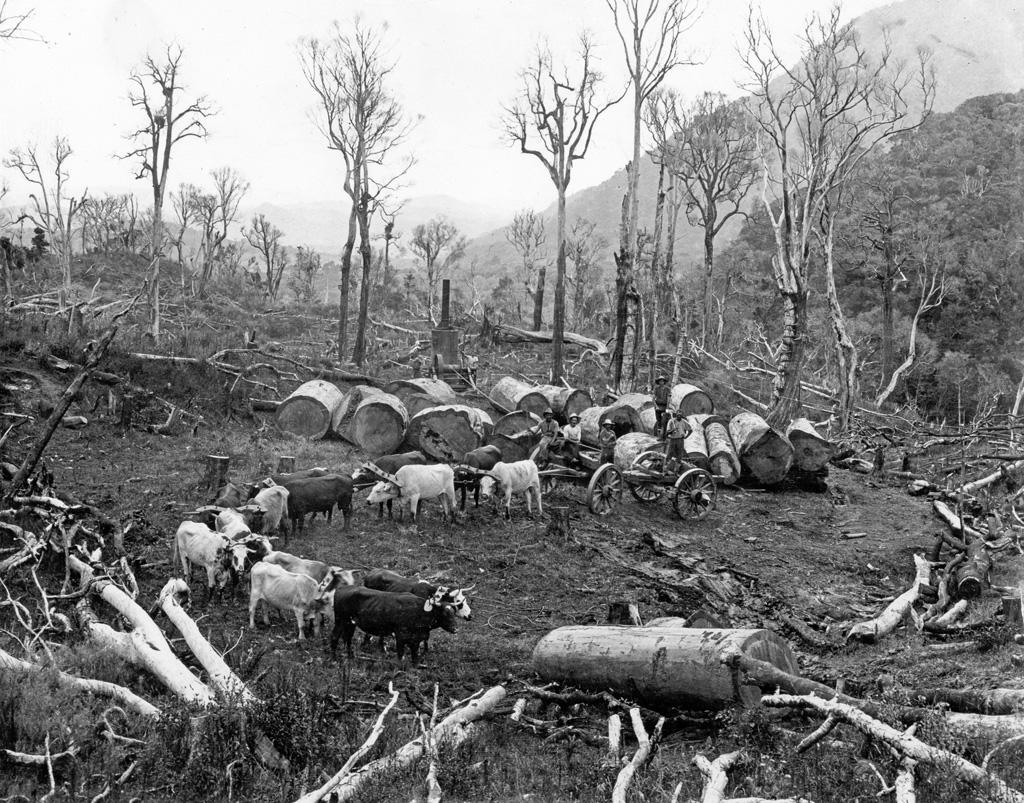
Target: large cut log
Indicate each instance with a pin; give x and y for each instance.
(629, 446)
(696, 443)
(624, 418)
(972, 576)
(347, 408)
(378, 424)
(516, 422)
(514, 394)
(643, 403)
(565, 401)
(725, 463)
(691, 400)
(971, 488)
(309, 410)
(764, 452)
(514, 334)
(662, 666)
(447, 432)
(514, 447)
(419, 394)
(811, 452)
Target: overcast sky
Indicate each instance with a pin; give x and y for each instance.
(457, 63)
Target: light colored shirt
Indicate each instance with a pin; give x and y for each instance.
(573, 434)
(677, 428)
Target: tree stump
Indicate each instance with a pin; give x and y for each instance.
(624, 613)
(127, 411)
(216, 476)
(558, 524)
(972, 576)
(285, 464)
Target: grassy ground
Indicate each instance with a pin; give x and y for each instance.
(779, 553)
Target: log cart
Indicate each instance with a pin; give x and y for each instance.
(691, 490)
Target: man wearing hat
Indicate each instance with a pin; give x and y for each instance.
(549, 432)
(606, 440)
(677, 432)
(661, 397)
(572, 435)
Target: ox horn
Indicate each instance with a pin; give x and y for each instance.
(468, 588)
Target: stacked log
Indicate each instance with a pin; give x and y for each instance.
(378, 424)
(725, 463)
(696, 444)
(633, 444)
(811, 452)
(643, 403)
(663, 667)
(624, 418)
(764, 452)
(691, 400)
(347, 408)
(447, 432)
(514, 447)
(419, 394)
(309, 410)
(512, 394)
(516, 422)
(565, 401)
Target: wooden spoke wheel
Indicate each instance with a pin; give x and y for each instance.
(605, 490)
(695, 494)
(548, 483)
(651, 463)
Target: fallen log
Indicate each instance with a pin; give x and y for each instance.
(421, 393)
(513, 334)
(515, 423)
(514, 447)
(347, 406)
(309, 410)
(763, 451)
(696, 443)
(447, 432)
(811, 452)
(972, 488)
(690, 399)
(565, 401)
(659, 666)
(725, 463)
(887, 621)
(624, 419)
(949, 516)
(374, 421)
(643, 403)
(514, 394)
(972, 576)
(633, 444)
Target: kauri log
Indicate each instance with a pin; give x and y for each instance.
(624, 418)
(378, 424)
(447, 432)
(811, 452)
(972, 576)
(764, 452)
(691, 399)
(309, 411)
(514, 447)
(514, 394)
(515, 422)
(347, 408)
(696, 443)
(421, 393)
(662, 666)
(631, 445)
(565, 401)
(643, 403)
(725, 463)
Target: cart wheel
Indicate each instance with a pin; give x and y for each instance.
(648, 462)
(696, 494)
(605, 490)
(548, 483)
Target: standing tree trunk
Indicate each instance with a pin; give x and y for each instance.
(359, 351)
(558, 329)
(846, 351)
(786, 387)
(346, 278)
(656, 274)
(709, 287)
(623, 282)
(538, 297)
(154, 270)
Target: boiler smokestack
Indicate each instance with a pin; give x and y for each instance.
(445, 301)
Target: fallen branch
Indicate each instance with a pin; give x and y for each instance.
(883, 624)
(645, 744)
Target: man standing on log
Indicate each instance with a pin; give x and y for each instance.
(677, 432)
(606, 440)
(661, 396)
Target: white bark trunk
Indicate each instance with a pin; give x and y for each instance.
(882, 625)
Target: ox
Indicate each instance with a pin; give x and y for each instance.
(385, 580)
(328, 576)
(319, 495)
(234, 522)
(304, 474)
(381, 613)
(412, 483)
(509, 478)
(389, 464)
(196, 544)
(287, 591)
(230, 495)
(467, 475)
(273, 501)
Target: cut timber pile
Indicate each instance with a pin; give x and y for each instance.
(629, 446)
(666, 667)
(347, 408)
(447, 432)
(419, 394)
(764, 452)
(566, 401)
(625, 419)
(695, 443)
(378, 423)
(725, 463)
(811, 452)
(512, 394)
(309, 411)
(691, 399)
(644, 406)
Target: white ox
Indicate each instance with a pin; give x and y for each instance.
(413, 483)
(274, 503)
(287, 591)
(325, 574)
(233, 523)
(509, 478)
(196, 544)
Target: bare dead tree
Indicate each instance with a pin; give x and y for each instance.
(265, 237)
(52, 208)
(527, 236)
(583, 245)
(815, 123)
(360, 118)
(651, 33)
(553, 120)
(429, 242)
(155, 86)
(12, 25)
